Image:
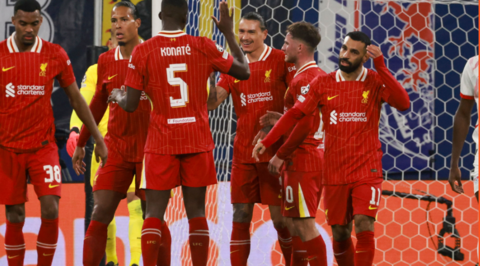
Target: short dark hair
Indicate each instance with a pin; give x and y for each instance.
(257, 17)
(359, 36)
(175, 3)
(27, 6)
(306, 33)
(130, 5)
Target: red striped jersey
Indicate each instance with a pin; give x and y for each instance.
(351, 115)
(173, 69)
(26, 85)
(307, 157)
(127, 132)
(263, 91)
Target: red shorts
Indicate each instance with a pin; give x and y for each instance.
(302, 193)
(253, 183)
(167, 171)
(42, 167)
(343, 202)
(117, 175)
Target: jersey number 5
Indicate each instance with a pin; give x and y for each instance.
(175, 81)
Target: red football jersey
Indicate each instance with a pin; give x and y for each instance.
(263, 91)
(26, 79)
(351, 114)
(307, 157)
(173, 69)
(127, 132)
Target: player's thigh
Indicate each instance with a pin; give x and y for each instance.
(115, 175)
(366, 197)
(45, 172)
(270, 186)
(301, 194)
(244, 184)
(160, 172)
(13, 190)
(197, 169)
(337, 203)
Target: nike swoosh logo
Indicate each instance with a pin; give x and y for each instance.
(7, 69)
(52, 186)
(46, 255)
(329, 98)
(109, 78)
(11, 257)
(289, 208)
(234, 251)
(236, 81)
(371, 208)
(361, 251)
(309, 259)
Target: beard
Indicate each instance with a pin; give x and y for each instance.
(351, 66)
(122, 43)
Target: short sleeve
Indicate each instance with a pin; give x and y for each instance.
(136, 69)
(310, 97)
(225, 82)
(66, 76)
(467, 84)
(220, 59)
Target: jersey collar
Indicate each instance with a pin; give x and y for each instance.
(171, 33)
(12, 46)
(266, 52)
(308, 65)
(118, 53)
(361, 77)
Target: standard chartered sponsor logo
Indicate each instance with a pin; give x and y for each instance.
(10, 90)
(260, 97)
(347, 117)
(243, 99)
(24, 90)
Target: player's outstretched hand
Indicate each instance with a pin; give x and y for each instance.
(101, 153)
(374, 51)
(274, 165)
(77, 160)
(116, 95)
(225, 24)
(259, 149)
(270, 118)
(72, 143)
(455, 179)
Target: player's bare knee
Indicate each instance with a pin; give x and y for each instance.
(15, 213)
(49, 207)
(363, 223)
(242, 212)
(341, 232)
(102, 214)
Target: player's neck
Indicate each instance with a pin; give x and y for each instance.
(353, 75)
(255, 55)
(301, 61)
(127, 49)
(21, 47)
(171, 26)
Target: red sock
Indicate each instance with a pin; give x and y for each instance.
(94, 243)
(164, 252)
(14, 244)
(317, 251)
(344, 252)
(240, 244)
(299, 252)
(365, 249)
(285, 241)
(199, 241)
(151, 240)
(47, 241)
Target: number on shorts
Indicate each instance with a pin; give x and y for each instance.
(289, 192)
(54, 173)
(374, 200)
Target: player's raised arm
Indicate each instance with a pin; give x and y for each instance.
(239, 69)
(217, 94)
(394, 94)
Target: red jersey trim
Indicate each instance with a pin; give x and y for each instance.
(361, 77)
(305, 67)
(266, 52)
(467, 97)
(12, 46)
(175, 33)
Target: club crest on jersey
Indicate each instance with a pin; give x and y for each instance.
(43, 69)
(267, 75)
(219, 48)
(365, 96)
(305, 89)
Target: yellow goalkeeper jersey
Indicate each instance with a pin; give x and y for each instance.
(87, 90)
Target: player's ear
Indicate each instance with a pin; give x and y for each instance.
(265, 34)
(138, 22)
(160, 15)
